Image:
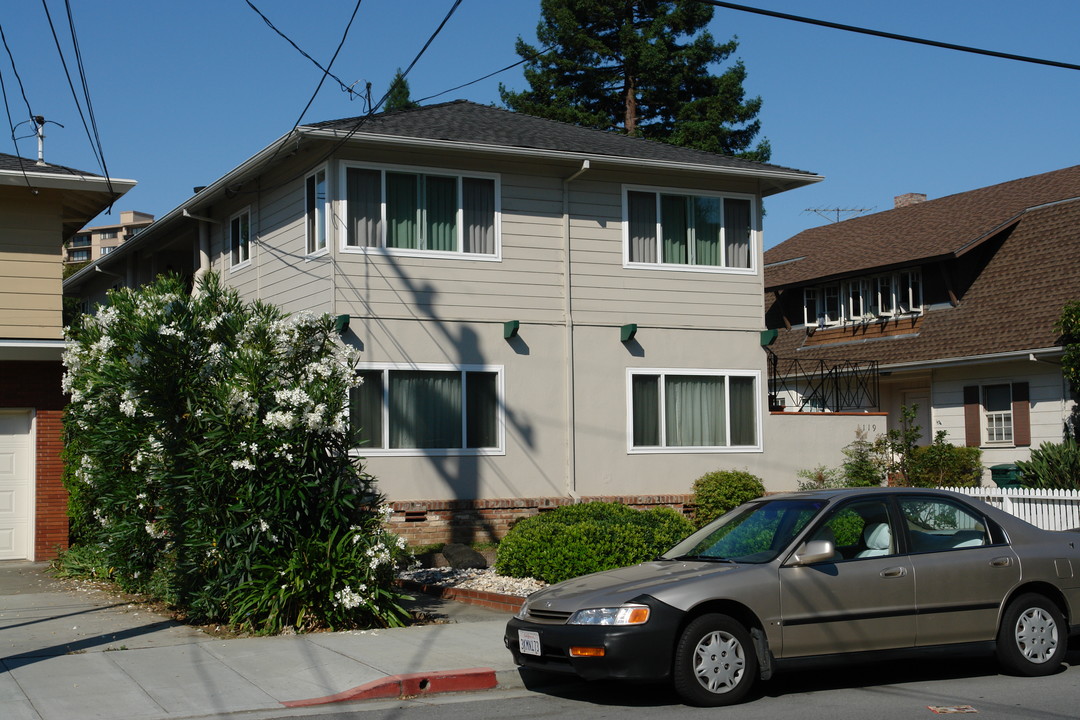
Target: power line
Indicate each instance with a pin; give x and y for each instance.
(7, 107)
(86, 94)
(95, 147)
(891, 36)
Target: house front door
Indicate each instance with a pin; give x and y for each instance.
(921, 398)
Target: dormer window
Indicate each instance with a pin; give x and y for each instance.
(860, 300)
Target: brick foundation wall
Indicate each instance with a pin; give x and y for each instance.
(36, 385)
(430, 522)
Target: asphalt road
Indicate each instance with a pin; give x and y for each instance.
(892, 690)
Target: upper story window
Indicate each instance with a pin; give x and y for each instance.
(107, 235)
(81, 255)
(240, 238)
(693, 411)
(422, 212)
(317, 205)
(863, 299)
(83, 240)
(106, 250)
(688, 231)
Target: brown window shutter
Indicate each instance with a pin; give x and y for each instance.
(1021, 414)
(972, 416)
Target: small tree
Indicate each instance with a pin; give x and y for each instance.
(397, 98)
(208, 457)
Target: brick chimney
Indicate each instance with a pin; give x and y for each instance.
(908, 199)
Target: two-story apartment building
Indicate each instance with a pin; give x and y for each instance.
(90, 243)
(544, 311)
(952, 300)
(41, 206)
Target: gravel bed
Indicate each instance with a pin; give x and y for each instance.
(485, 580)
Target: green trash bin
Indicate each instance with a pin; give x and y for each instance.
(1005, 475)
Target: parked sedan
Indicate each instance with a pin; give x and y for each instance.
(828, 573)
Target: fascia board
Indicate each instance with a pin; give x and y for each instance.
(790, 176)
(65, 182)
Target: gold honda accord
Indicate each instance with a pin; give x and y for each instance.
(801, 575)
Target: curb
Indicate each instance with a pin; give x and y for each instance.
(409, 685)
(494, 601)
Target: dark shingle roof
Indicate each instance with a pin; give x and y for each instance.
(468, 122)
(15, 164)
(943, 227)
(1010, 307)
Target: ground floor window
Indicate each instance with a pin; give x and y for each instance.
(401, 410)
(674, 410)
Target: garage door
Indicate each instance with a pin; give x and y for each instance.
(14, 485)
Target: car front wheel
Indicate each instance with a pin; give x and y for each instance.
(715, 662)
(1033, 639)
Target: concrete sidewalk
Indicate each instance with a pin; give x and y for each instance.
(69, 653)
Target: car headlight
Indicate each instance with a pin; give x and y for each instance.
(523, 611)
(623, 615)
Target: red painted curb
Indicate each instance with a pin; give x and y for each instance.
(409, 685)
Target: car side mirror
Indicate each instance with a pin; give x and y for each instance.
(813, 551)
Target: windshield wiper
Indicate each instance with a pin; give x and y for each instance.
(706, 558)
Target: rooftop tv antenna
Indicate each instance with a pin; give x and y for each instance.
(836, 211)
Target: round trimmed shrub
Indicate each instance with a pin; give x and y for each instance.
(718, 492)
(580, 539)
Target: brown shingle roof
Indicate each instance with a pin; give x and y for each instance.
(1010, 307)
(944, 227)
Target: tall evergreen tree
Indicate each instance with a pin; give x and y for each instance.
(398, 96)
(641, 67)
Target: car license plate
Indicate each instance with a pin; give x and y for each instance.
(529, 642)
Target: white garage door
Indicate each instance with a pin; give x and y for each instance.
(14, 485)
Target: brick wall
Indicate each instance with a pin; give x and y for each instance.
(429, 522)
(36, 385)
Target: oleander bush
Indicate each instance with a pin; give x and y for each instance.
(207, 455)
(716, 493)
(580, 539)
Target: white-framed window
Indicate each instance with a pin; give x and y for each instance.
(861, 299)
(421, 211)
(822, 305)
(998, 417)
(105, 250)
(688, 231)
(240, 238)
(677, 410)
(316, 204)
(428, 410)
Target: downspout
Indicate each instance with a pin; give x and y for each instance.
(568, 321)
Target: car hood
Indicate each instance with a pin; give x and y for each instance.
(614, 587)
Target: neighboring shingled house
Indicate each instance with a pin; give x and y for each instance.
(41, 206)
(537, 304)
(954, 299)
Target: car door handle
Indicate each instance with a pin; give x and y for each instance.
(1001, 562)
(894, 572)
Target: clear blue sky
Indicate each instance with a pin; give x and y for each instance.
(183, 91)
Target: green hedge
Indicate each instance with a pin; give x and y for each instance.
(580, 539)
(718, 492)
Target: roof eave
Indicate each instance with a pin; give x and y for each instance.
(779, 179)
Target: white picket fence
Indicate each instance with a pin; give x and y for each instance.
(1047, 509)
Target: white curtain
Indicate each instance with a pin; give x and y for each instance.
(695, 411)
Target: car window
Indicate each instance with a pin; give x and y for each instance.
(754, 533)
(859, 530)
(935, 524)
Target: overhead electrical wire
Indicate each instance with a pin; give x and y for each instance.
(889, 35)
(374, 109)
(7, 107)
(95, 145)
(86, 94)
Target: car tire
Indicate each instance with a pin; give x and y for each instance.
(1033, 639)
(715, 663)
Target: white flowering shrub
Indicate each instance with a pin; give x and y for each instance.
(207, 455)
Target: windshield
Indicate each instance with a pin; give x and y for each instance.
(754, 533)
